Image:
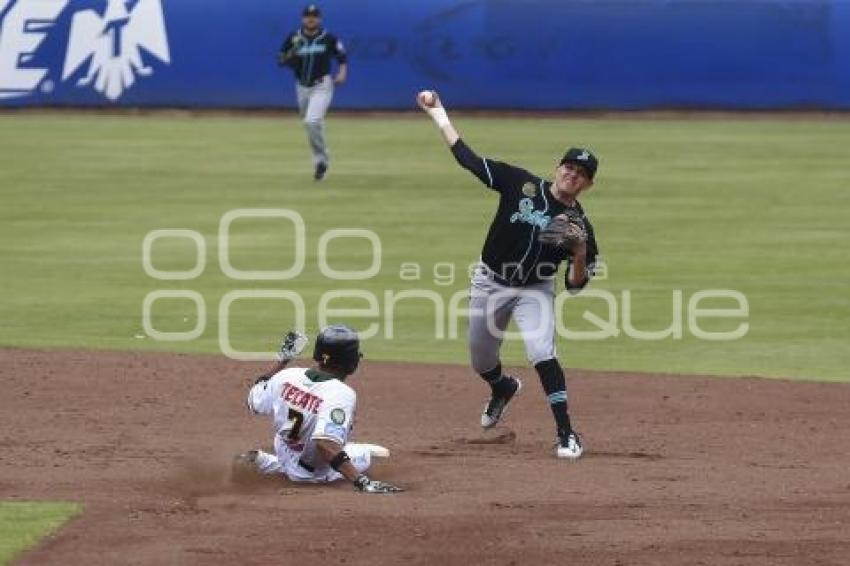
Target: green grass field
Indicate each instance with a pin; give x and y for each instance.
(757, 206)
(22, 525)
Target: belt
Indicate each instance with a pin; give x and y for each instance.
(306, 466)
(312, 83)
(498, 278)
(506, 283)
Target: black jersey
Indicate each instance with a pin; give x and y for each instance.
(526, 205)
(310, 56)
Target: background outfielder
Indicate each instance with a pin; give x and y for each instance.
(538, 225)
(313, 411)
(308, 51)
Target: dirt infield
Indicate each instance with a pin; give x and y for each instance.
(679, 470)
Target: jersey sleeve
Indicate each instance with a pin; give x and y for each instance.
(285, 48)
(337, 50)
(262, 395)
(336, 418)
(287, 44)
(494, 174)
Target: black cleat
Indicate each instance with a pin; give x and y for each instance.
(321, 169)
(495, 407)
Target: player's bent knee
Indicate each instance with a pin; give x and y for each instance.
(361, 456)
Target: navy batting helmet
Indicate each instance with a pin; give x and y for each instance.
(338, 346)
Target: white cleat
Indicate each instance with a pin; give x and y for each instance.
(375, 450)
(569, 447)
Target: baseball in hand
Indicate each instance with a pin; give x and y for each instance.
(427, 98)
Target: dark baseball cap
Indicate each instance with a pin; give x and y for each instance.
(583, 158)
(312, 10)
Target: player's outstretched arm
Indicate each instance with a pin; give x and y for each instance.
(430, 102)
(335, 455)
(293, 343)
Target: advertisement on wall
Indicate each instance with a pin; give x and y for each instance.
(483, 54)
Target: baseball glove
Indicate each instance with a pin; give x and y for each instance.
(564, 231)
(364, 484)
(292, 345)
(288, 57)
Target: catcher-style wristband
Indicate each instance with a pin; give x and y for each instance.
(439, 116)
(341, 458)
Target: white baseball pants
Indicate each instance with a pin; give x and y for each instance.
(286, 462)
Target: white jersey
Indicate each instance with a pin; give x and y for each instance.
(307, 405)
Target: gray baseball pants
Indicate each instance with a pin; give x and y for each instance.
(313, 104)
(491, 306)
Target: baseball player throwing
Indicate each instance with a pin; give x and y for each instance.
(308, 51)
(538, 224)
(313, 411)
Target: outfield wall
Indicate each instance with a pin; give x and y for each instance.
(538, 54)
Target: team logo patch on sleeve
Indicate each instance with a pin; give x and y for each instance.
(529, 189)
(338, 416)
